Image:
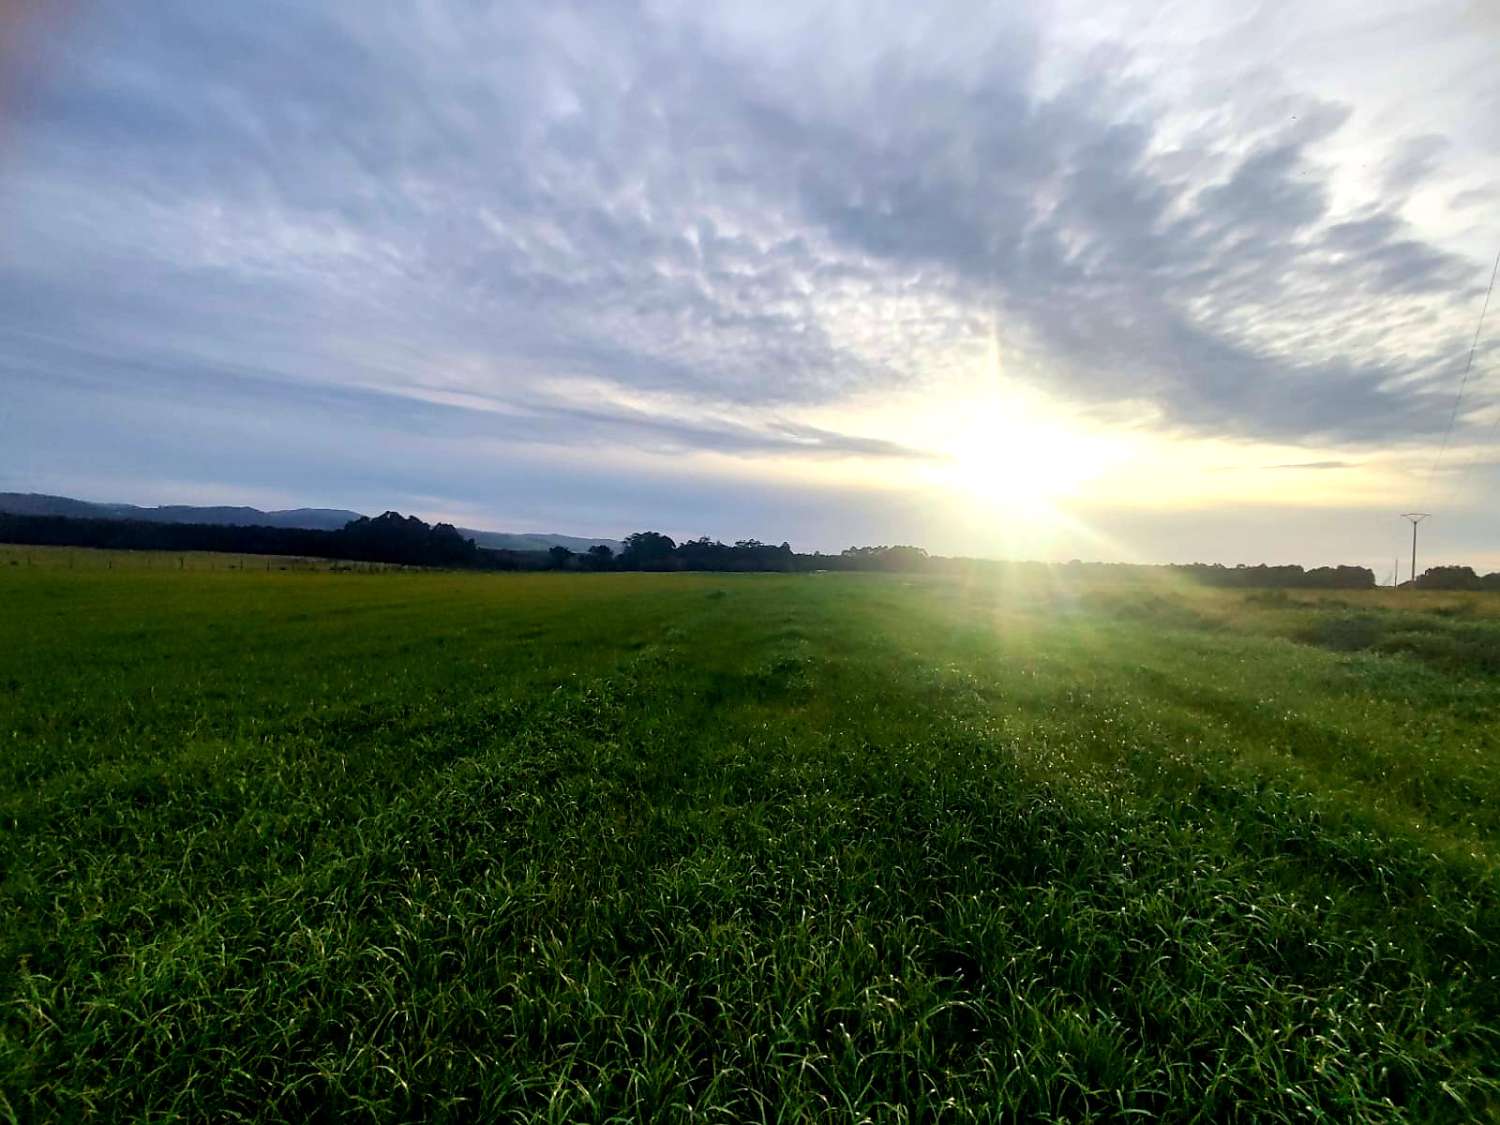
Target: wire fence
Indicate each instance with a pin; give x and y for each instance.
(20, 556)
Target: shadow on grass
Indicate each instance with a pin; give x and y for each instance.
(1442, 641)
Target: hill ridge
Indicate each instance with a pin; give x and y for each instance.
(241, 515)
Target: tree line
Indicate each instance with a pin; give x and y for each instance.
(1456, 578)
(389, 538)
(407, 540)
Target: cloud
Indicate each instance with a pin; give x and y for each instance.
(435, 215)
(1415, 160)
(1134, 282)
(527, 417)
(1474, 197)
(1316, 465)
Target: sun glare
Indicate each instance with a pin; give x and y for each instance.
(1002, 455)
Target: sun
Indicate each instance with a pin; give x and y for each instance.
(1001, 453)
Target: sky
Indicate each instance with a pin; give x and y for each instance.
(1144, 282)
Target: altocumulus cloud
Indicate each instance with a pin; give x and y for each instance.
(632, 225)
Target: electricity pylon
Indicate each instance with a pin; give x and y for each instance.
(1416, 518)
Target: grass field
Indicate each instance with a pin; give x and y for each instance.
(88, 558)
(698, 847)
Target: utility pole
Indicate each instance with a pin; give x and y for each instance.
(1415, 518)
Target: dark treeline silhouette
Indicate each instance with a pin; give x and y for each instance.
(405, 539)
(1455, 578)
(651, 550)
(394, 538)
(390, 538)
(140, 535)
(1273, 577)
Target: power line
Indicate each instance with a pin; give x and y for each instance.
(1456, 485)
(1463, 383)
(1394, 544)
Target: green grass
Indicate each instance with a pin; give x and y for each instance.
(89, 558)
(724, 848)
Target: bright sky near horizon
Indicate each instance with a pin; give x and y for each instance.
(1157, 282)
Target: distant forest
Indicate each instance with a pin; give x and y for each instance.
(407, 540)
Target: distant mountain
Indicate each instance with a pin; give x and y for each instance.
(35, 504)
(535, 541)
(317, 519)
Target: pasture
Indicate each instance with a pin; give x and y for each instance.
(284, 844)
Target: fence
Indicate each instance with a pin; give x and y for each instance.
(96, 558)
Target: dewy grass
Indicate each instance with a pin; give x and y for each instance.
(665, 847)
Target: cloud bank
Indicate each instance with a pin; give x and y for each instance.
(600, 226)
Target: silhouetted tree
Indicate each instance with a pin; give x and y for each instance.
(648, 550)
(885, 558)
(599, 557)
(392, 537)
(1450, 578)
(1275, 577)
(558, 556)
